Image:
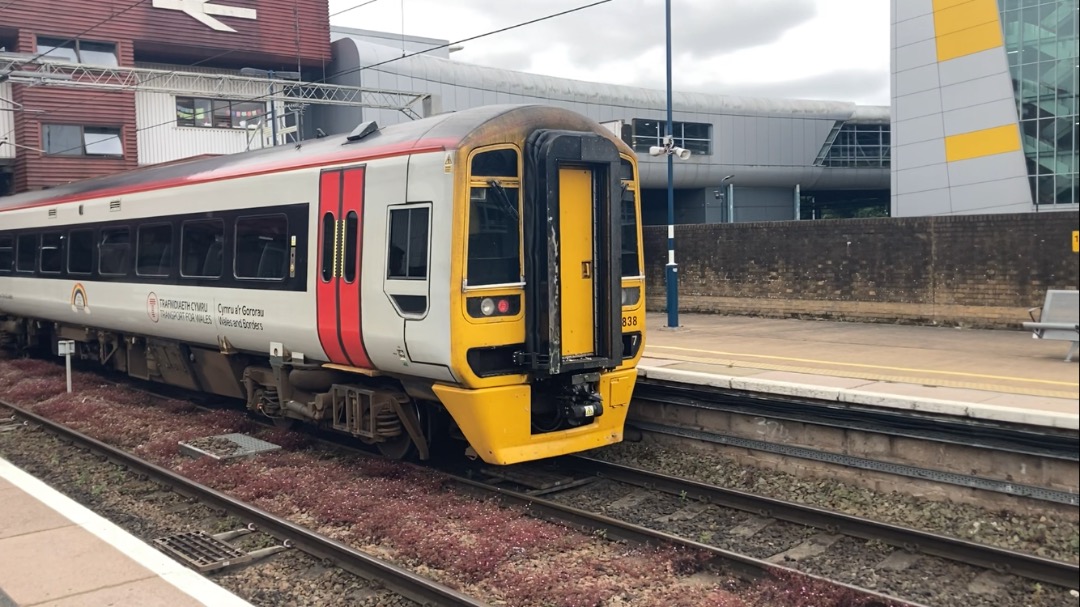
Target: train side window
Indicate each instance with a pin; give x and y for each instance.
(26, 253)
(80, 252)
(328, 239)
(7, 254)
(153, 255)
(494, 254)
(351, 226)
(496, 163)
(114, 250)
(202, 244)
(407, 258)
(52, 258)
(631, 266)
(262, 247)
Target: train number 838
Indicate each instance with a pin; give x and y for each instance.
(629, 321)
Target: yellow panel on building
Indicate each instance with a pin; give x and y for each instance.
(996, 140)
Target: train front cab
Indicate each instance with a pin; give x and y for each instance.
(550, 321)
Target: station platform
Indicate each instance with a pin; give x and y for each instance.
(1000, 375)
(56, 553)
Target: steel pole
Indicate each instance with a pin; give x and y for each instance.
(273, 112)
(672, 273)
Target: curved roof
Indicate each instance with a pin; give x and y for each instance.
(446, 71)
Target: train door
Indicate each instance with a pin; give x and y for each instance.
(573, 243)
(341, 219)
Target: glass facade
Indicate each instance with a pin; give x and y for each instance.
(1041, 43)
(856, 145)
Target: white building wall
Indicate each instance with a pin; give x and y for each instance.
(7, 122)
(161, 140)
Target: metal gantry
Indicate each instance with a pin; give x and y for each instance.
(220, 86)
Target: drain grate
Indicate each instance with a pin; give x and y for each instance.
(226, 446)
(200, 551)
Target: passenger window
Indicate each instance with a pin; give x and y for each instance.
(328, 239)
(154, 250)
(80, 252)
(114, 250)
(262, 250)
(408, 253)
(27, 253)
(351, 227)
(202, 243)
(52, 253)
(7, 254)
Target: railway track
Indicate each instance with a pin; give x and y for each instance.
(397, 579)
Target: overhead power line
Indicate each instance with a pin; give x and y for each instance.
(362, 4)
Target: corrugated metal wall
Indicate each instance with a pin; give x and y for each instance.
(160, 140)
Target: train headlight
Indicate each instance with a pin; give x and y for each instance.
(630, 296)
(493, 306)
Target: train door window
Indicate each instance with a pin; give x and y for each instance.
(153, 253)
(7, 254)
(80, 252)
(26, 253)
(408, 255)
(202, 244)
(351, 225)
(494, 255)
(52, 247)
(328, 236)
(114, 251)
(262, 250)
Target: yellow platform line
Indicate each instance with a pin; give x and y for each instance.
(866, 366)
(922, 381)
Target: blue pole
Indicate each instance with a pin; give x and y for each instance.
(672, 273)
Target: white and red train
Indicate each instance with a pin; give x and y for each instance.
(477, 274)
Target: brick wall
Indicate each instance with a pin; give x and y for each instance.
(972, 270)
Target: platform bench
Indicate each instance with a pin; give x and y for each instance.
(1059, 319)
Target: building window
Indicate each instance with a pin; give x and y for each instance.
(78, 51)
(218, 113)
(693, 136)
(75, 140)
(856, 145)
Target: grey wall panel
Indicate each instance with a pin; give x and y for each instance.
(920, 154)
(972, 93)
(930, 202)
(975, 65)
(997, 166)
(934, 177)
(725, 139)
(984, 116)
(915, 105)
(802, 149)
(764, 204)
(914, 30)
(918, 129)
(918, 79)
(1000, 196)
(916, 55)
(785, 142)
(909, 9)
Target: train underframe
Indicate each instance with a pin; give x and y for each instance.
(399, 416)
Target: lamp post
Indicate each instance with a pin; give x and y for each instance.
(669, 149)
(270, 74)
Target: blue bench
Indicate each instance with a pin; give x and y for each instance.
(1059, 319)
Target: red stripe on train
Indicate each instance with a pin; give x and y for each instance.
(349, 306)
(326, 290)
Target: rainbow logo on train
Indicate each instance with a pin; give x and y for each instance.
(79, 301)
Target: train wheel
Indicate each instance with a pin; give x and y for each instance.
(396, 448)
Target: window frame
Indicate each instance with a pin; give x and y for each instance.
(76, 44)
(67, 254)
(183, 231)
(287, 236)
(408, 208)
(138, 249)
(506, 182)
(82, 150)
(212, 106)
(10, 248)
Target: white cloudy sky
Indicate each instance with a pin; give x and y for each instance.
(809, 49)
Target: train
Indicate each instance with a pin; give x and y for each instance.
(472, 278)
